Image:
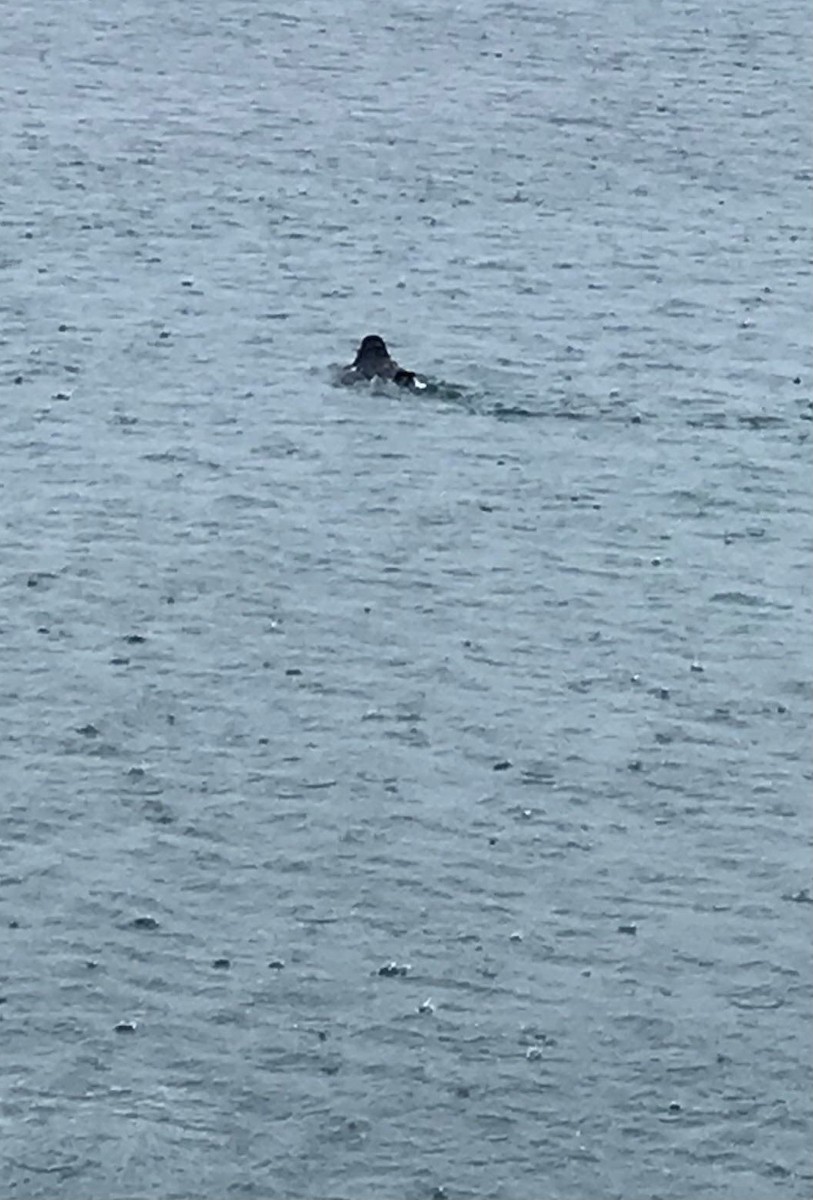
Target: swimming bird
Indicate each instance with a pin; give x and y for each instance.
(373, 361)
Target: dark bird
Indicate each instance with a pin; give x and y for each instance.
(373, 361)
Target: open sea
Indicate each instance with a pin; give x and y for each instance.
(405, 797)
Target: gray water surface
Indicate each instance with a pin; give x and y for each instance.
(512, 689)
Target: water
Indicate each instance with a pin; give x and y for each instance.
(513, 688)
